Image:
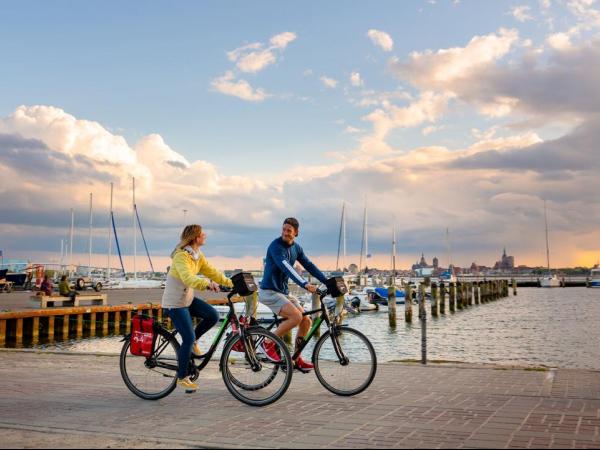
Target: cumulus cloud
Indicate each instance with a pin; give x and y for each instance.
(521, 13)
(228, 85)
(438, 70)
(329, 82)
(253, 58)
(356, 80)
(381, 39)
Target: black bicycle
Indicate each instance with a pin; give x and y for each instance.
(344, 358)
(250, 376)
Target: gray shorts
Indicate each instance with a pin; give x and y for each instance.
(276, 300)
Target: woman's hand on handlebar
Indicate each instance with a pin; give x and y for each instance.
(213, 287)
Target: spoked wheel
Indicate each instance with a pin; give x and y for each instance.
(249, 374)
(355, 371)
(151, 378)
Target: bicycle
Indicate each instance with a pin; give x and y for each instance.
(249, 375)
(344, 358)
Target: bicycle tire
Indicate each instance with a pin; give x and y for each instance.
(125, 373)
(326, 381)
(232, 382)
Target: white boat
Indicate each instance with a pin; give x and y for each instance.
(550, 281)
(595, 277)
(262, 312)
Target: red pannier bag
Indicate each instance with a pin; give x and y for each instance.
(142, 336)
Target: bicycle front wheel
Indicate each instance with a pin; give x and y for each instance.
(155, 377)
(345, 362)
(251, 376)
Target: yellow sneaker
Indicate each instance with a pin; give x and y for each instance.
(196, 349)
(187, 384)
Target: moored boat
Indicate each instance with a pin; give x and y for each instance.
(595, 277)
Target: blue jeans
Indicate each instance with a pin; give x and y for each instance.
(182, 319)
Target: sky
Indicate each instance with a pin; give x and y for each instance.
(446, 114)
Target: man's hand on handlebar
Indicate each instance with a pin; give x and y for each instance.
(311, 288)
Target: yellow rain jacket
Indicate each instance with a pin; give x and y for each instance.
(183, 278)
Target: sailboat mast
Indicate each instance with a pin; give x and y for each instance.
(71, 243)
(344, 236)
(547, 240)
(337, 263)
(364, 239)
(110, 233)
(394, 253)
(134, 236)
(90, 243)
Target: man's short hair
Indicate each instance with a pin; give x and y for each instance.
(293, 222)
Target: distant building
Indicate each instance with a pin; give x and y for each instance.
(422, 269)
(507, 263)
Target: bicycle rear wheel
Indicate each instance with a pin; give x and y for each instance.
(249, 375)
(351, 376)
(155, 377)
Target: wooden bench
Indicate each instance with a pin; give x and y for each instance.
(47, 301)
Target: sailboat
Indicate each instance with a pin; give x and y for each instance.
(136, 282)
(550, 280)
(595, 277)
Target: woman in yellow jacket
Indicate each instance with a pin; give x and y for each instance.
(179, 302)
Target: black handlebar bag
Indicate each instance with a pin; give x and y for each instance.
(336, 286)
(243, 284)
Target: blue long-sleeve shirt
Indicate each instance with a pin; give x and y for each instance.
(279, 267)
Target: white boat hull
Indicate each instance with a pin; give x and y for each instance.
(549, 282)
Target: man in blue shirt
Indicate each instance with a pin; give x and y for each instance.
(274, 292)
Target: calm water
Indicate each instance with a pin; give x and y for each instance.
(550, 327)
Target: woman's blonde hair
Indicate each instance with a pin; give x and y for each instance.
(189, 235)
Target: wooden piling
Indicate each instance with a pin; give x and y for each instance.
(442, 298)
(2, 333)
(459, 295)
(65, 330)
(35, 331)
(19, 333)
(51, 329)
(79, 326)
(118, 322)
(434, 299)
(408, 303)
(315, 304)
(471, 292)
(105, 324)
(93, 324)
(340, 312)
(476, 293)
(128, 320)
(422, 297)
(392, 306)
(452, 296)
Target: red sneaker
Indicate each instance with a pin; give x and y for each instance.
(303, 366)
(271, 351)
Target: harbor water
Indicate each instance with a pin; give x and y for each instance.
(539, 327)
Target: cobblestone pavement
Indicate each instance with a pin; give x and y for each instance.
(80, 401)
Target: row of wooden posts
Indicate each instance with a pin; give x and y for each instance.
(461, 295)
(63, 323)
(60, 324)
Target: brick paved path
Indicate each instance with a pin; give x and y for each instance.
(81, 401)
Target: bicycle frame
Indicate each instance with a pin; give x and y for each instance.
(331, 325)
(204, 359)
